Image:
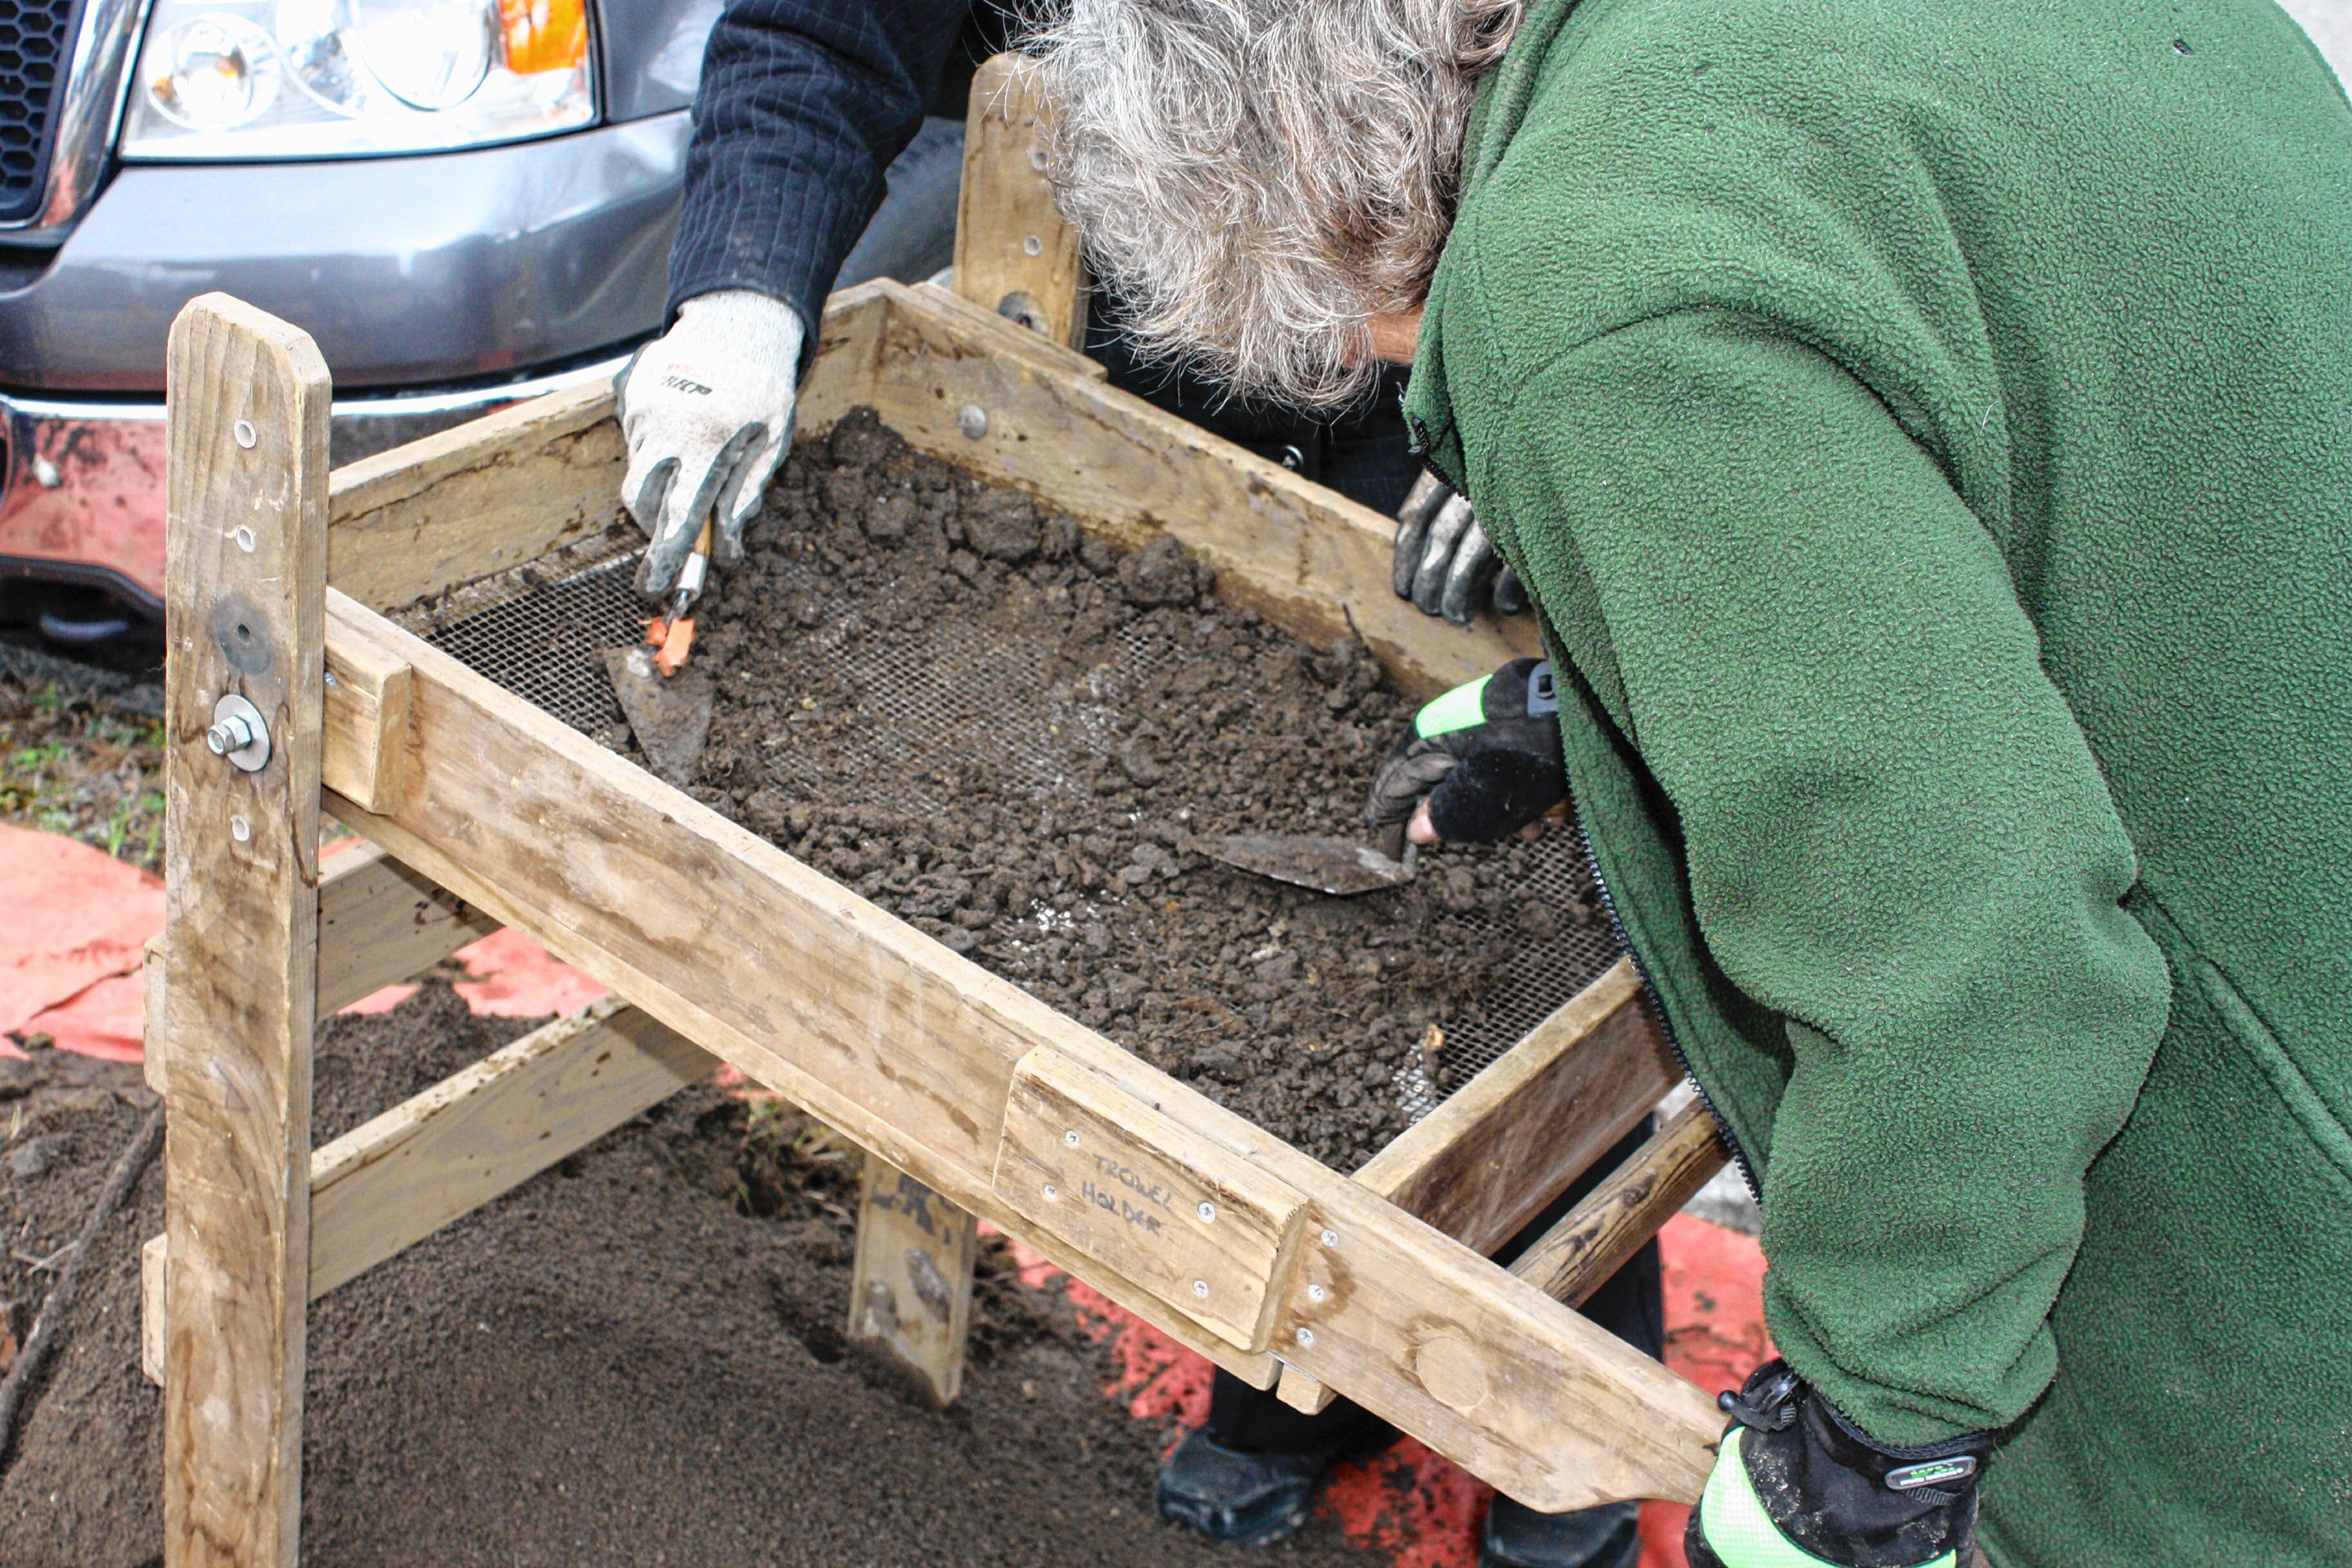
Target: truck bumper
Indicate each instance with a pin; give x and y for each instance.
(437, 287)
(82, 484)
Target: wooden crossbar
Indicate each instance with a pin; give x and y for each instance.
(379, 923)
(395, 1180)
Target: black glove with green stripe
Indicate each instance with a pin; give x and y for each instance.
(1796, 1484)
(1488, 755)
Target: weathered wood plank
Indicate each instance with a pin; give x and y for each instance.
(1014, 255)
(396, 1179)
(1204, 1229)
(246, 537)
(911, 1051)
(1514, 1392)
(392, 1181)
(379, 923)
(1592, 1240)
(151, 1308)
(1493, 1153)
(1484, 1368)
(1498, 1149)
(364, 747)
(483, 497)
(154, 1043)
(1308, 558)
(489, 495)
(911, 1287)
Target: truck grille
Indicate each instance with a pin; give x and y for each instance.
(34, 43)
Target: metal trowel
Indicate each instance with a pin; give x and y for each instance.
(667, 705)
(1340, 867)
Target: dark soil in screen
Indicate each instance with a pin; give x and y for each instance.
(1016, 736)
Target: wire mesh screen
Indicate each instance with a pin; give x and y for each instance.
(975, 702)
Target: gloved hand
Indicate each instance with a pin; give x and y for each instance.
(1488, 755)
(1797, 1483)
(1444, 562)
(707, 410)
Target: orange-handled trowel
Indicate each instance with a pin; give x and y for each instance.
(669, 706)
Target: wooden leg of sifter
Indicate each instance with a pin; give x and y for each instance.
(245, 598)
(910, 1296)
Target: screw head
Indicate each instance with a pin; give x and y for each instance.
(1208, 1212)
(1050, 1193)
(1305, 1336)
(239, 829)
(972, 420)
(1330, 1238)
(1071, 1138)
(1201, 1289)
(242, 431)
(1315, 1292)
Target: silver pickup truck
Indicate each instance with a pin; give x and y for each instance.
(466, 201)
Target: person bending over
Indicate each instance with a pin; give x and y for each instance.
(1924, 430)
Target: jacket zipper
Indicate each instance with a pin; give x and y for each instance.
(1658, 1010)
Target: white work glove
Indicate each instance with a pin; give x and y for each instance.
(1444, 562)
(707, 409)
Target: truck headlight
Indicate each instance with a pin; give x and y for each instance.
(320, 78)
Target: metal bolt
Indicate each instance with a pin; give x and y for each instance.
(240, 734)
(1032, 245)
(330, 679)
(234, 733)
(1315, 1292)
(1209, 1213)
(242, 430)
(1330, 1238)
(1305, 1336)
(972, 420)
(1071, 1138)
(1050, 1193)
(1200, 1288)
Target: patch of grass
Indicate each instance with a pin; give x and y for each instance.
(67, 767)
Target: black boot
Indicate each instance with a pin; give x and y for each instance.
(1248, 1500)
(1517, 1536)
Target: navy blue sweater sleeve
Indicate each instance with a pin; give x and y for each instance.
(803, 105)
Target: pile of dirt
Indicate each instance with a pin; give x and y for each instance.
(634, 1358)
(1018, 737)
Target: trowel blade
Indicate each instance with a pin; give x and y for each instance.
(1340, 867)
(670, 715)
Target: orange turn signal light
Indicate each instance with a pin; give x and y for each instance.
(544, 35)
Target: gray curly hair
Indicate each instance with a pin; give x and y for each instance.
(1258, 178)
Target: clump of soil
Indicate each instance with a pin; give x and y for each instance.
(1018, 737)
(636, 1357)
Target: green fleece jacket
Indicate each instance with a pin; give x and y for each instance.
(1925, 428)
